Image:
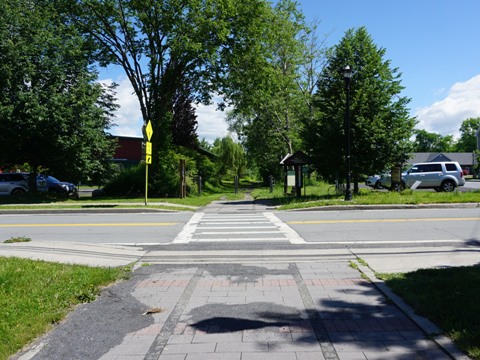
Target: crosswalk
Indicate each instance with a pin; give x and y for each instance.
(250, 227)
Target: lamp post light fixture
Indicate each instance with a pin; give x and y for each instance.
(347, 76)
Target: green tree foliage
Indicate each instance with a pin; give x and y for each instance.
(432, 142)
(380, 123)
(468, 139)
(52, 113)
(165, 46)
(184, 126)
(231, 157)
(275, 88)
(263, 147)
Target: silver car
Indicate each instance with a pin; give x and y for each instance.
(441, 176)
(13, 184)
(373, 181)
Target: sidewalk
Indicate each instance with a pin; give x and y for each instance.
(285, 311)
(291, 310)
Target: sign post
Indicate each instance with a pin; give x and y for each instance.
(148, 156)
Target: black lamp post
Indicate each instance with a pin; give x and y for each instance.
(347, 75)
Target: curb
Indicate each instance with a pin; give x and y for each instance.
(391, 207)
(433, 332)
(113, 208)
(87, 210)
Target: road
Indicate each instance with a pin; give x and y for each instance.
(241, 269)
(257, 227)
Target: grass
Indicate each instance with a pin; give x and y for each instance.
(318, 196)
(41, 202)
(17, 239)
(450, 298)
(315, 196)
(35, 295)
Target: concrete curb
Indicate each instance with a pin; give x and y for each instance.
(391, 207)
(113, 208)
(423, 323)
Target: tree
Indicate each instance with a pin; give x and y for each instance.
(185, 123)
(52, 113)
(468, 138)
(432, 142)
(380, 123)
(262, 146)
(275, 88)
(231, 156)
(167, 45)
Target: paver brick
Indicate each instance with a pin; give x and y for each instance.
(269, 356)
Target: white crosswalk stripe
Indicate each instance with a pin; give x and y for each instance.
(256, 227)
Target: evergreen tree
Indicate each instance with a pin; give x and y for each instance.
(380, 123)
(184, 125)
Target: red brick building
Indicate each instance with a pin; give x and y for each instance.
(129, 150)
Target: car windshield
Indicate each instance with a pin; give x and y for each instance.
(52, 179)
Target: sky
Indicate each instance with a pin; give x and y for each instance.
(433, 43)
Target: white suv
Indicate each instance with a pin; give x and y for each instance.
(441, 176)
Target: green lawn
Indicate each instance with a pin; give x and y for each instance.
(35, 295)
(312, 196)
(450, 298)
(318, 196)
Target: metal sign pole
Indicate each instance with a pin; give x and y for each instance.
(146, 184)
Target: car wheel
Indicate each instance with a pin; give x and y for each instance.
(448, 186)
(18, 192)
(398, 187)
(378, 185)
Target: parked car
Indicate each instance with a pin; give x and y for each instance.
(441, 176)
(51, 184)
(373, 181)
(386, 182)
(13, 184)
(47, 183)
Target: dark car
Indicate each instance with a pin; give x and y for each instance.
(51, 184)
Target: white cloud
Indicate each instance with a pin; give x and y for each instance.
(446, 116)
(211, 122)
(128, 117)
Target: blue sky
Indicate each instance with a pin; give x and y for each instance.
(433, 43)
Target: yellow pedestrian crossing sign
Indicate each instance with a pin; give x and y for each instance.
(149, 130)
(148, 148)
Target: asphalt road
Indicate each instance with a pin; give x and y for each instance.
(321, 229)
(247, 242)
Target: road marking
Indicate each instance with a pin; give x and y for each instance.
(234, 232)
(240, 239)
(236, 227)
(185, 236)
(311, 222)
(89, 225)
(211, 222)
(214, 228)
(291, 234)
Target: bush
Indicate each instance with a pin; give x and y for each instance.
(130, 182)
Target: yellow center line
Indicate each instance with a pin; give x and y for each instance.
(89, 225)
(308, 222)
